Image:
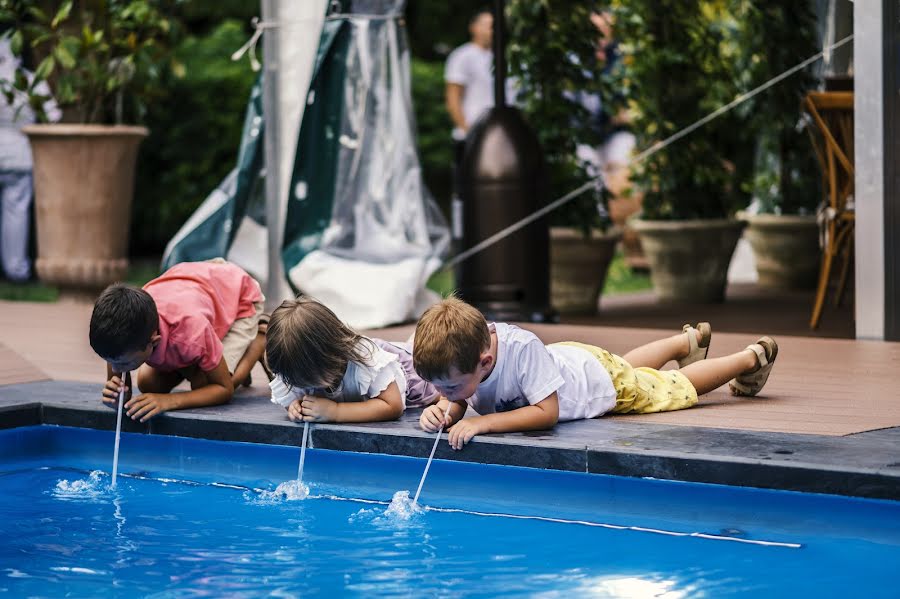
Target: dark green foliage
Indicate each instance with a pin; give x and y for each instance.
(680, 66)
(194, 135)
(103, 59)
(433, 127)
(551, 54)
(778, 35)
(436, 27)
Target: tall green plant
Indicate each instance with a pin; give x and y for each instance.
(551, 52)
(101, 58)
(681, 64)
(195, 133)
(777, 36)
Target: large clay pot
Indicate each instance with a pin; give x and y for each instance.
(689, 259)
(578, 267)
(786, 249)
(83, 182)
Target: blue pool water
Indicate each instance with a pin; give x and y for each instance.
(198, 518)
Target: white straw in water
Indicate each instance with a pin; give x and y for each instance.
(437, 438)
(115, 468)
(303, 452)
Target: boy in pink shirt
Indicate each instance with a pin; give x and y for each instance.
(199, 321)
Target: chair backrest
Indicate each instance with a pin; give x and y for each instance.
(832, 139)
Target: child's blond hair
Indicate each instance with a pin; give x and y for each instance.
(449, 334)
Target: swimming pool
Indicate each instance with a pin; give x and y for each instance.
(193, 517)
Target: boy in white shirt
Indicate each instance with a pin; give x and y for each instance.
(516, 383)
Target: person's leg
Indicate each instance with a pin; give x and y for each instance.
(252, 355)
(708, 375)
(151, 380)
(16, 189)
(657, 353)
(243, 346)
(615, 155)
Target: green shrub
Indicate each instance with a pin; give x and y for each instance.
(194, 135)
(552, 55)
(680, 65)
(103, 60)
(777, 35)
(433, 128)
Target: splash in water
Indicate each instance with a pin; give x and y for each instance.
(291, 490)
(401, 509)
(92, 487)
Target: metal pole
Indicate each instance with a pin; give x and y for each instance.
(271, 14)
(870, 169)
(499, 47)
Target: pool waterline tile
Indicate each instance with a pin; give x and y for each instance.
(864, 464)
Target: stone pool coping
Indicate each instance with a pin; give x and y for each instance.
(863, 465)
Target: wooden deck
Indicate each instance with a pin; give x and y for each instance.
(819, 386)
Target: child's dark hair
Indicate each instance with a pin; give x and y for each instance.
(123, 321)
(308, 345)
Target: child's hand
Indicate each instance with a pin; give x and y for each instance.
(312, 409)
(463, 431)
(148, 405)
(111, 392)
(293, 410)
(431, 419)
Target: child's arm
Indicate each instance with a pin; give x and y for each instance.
(432, 416)
(209, 388)
(539, 416)
(387, 405)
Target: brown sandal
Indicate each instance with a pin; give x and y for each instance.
(751, 383)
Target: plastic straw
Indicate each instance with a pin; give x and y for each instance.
(437, 438)
(115, 468)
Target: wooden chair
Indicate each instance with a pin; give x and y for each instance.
(832, 139)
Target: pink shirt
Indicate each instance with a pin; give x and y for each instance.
(197, 303)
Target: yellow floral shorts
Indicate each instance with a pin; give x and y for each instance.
(643, 390)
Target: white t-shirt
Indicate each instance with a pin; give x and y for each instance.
(527, 372)
(471, 66)
(360, 382)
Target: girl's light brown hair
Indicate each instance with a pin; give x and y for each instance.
(309, 346)
(451, 333)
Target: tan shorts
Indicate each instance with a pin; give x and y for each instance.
(240, 336)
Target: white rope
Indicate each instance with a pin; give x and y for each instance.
(259, 26)
(503, 233)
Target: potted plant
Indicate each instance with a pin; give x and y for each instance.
(679, 66)
(552, 60)
(782, 223)
(101, 59)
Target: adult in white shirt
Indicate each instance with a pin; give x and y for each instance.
(469, 75)
(15, 167)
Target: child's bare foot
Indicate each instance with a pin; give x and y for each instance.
(697, 346)
(750, 382)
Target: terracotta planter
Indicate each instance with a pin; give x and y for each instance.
(786, 249)
(689, 259)
(83, 182)
(578, 267)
